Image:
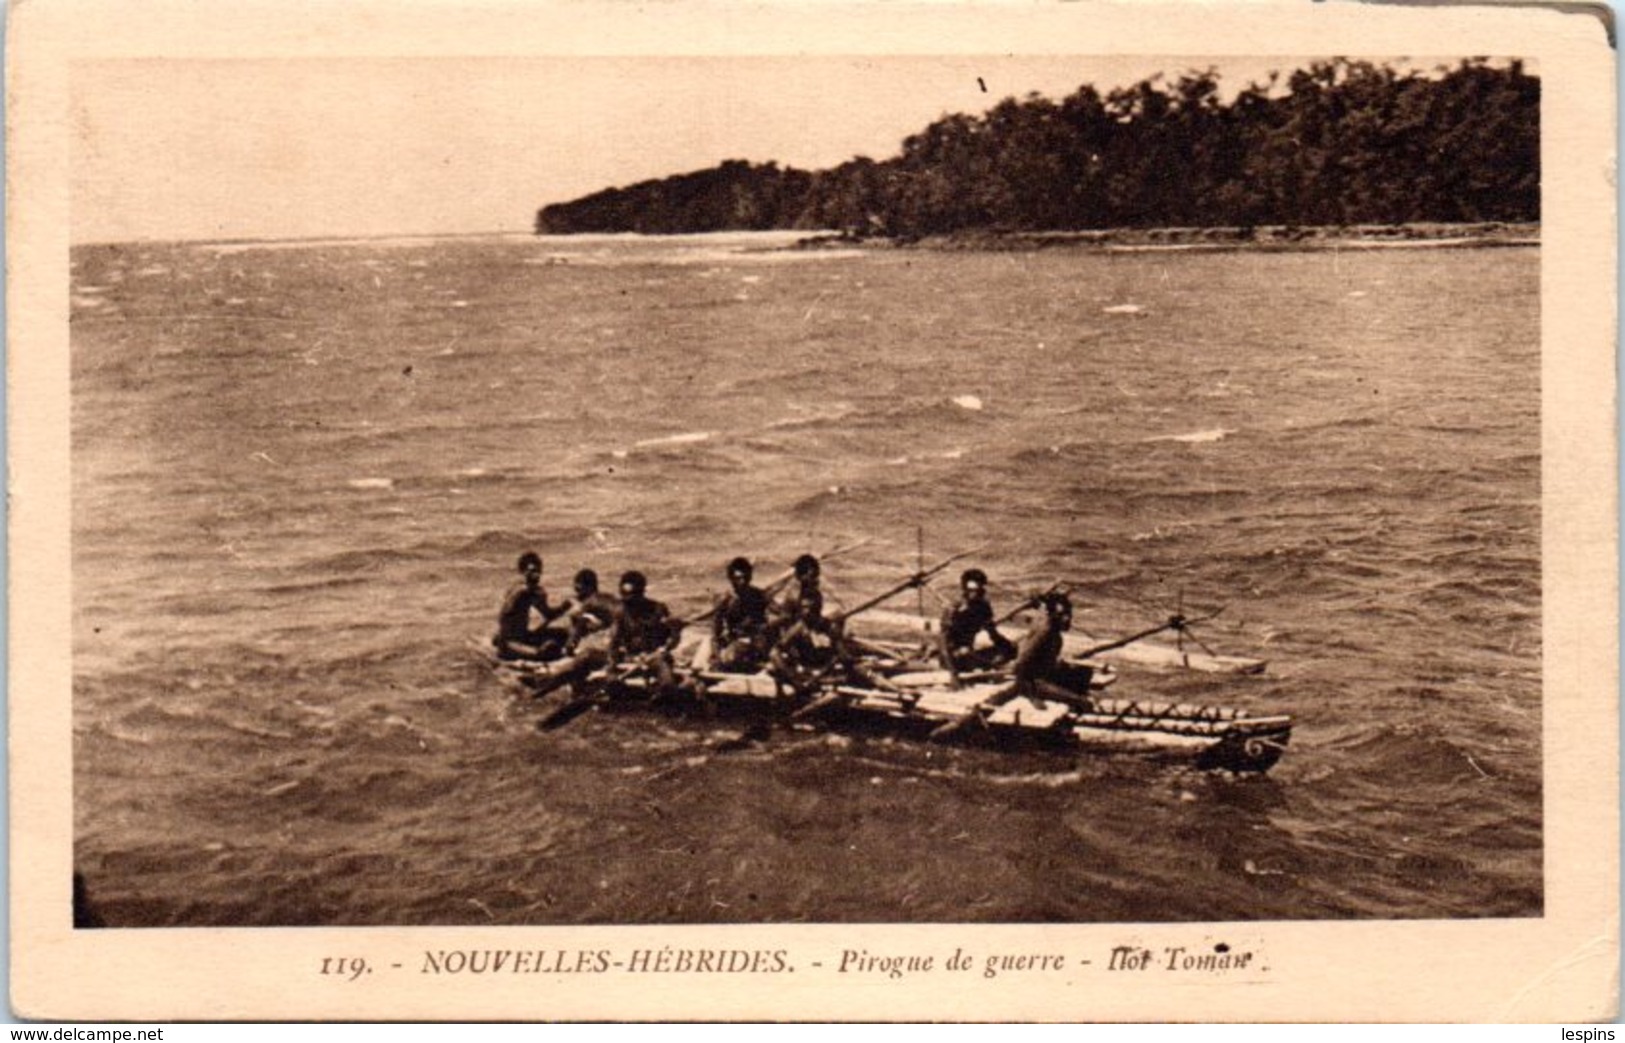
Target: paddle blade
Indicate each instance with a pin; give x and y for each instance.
(817, 706)
(565, 714)
(947, 731)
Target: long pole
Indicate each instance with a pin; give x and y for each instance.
(919, 566)
(1175, 622)
(918, 579)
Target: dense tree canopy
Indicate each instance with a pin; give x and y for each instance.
(1341, 142)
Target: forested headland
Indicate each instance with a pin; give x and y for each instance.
(1339, 143)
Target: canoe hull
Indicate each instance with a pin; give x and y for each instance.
(1208, 737)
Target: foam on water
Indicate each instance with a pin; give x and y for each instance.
(807, 416)
(397, 242)
(1213, 434)
(685, 438)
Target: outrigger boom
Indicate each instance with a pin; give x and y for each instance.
(1133, 649)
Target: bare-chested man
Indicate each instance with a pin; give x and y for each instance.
(522, 625)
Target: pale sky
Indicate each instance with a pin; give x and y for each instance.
(200, 149)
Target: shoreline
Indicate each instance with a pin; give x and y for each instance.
(1150, 240)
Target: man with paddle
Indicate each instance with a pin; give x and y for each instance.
(839, 656)
(739, 631)
(807, 649)
(810, 646)
(803, 595)
(1038, 672)
(645, 633)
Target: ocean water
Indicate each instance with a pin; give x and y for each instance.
(302, 473)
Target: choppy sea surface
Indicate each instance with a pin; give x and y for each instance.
(302, 473)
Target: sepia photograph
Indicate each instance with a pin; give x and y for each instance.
(1248, 362)
(1098, 495)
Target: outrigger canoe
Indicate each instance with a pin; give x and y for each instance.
(920, 704)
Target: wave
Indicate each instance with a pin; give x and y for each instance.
(929, 416)
(472, 476)
(356, 797)
(1212, 434)
(390, 242)
(664, 441)
(893, 489)
(808, 380)
(668, 462)
(495, 541)
(164, 722)
(1065, 452)
(332, 583)
(1180, 499)
(1442, 428)
(1404, 757)
(817, 416)
(371, 560)
(1353, 423)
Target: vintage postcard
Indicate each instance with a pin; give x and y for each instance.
(985, 512)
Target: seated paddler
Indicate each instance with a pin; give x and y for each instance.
(805, 645)
(591, 614)
(522, 625)
(739, 630)
(1038, 671)
(644, 633)
(966, 620)
(802, 596)
(808, 646)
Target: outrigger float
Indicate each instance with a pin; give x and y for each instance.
(1134, 650)
(894, 692)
